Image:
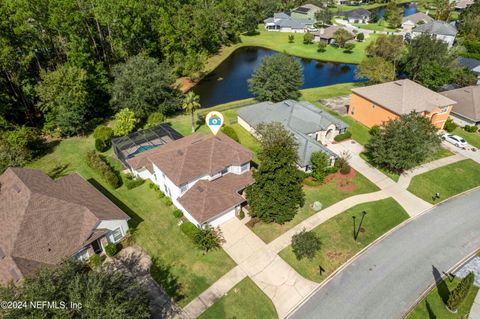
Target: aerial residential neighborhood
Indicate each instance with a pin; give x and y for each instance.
(240, 159)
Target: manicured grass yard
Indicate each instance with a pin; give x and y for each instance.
(327, 195)
(472, 138)
(433, 306)
(244, 301)
(182, 270)
(448, 180)
(337, 240)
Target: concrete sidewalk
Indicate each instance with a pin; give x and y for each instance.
(475, 310)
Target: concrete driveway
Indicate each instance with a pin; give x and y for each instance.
(388, 278)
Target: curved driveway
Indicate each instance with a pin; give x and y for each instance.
(388, 278)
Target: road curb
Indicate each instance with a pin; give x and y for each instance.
(373, 243)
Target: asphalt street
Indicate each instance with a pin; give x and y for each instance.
(388, 278)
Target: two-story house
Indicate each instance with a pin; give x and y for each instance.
(202, 174)
(377, 104)
(44, 221)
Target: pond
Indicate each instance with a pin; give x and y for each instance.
(408, 10)
(228, 82)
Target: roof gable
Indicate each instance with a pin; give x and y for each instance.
(468, 101)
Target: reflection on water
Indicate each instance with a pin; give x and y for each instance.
(408, 10)
(229, 80)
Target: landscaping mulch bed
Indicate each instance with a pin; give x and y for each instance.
(346, 186)
(334, 176)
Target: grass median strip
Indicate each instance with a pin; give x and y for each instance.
(338, 243)
(448, 181)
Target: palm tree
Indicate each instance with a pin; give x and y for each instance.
(191, 103)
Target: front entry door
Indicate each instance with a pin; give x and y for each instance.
(97, 248)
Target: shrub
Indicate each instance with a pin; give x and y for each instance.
(168, 201)
(470, 128)
(319, 164)
(349, 47)
(342, 164)
(450, 126)
(100, 145)
(208, 238)
(177, 213)
(103, 133)
(241, 214)
(111, 249)
(343, 136)
(131, 182)
(154, 119)
(305, 244)
(189, 229)
(374, 130)
(322, 46)
(230, 132)
(360, 37)
(345, 169)
(458, 294)
(97, 163)
(291, 38)
(160, 193)
(94, 261)
(308, 38)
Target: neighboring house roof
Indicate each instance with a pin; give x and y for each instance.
(403, 96)
(417, 17)
(468, 102)
(283, 20)
(328, 33)
(207, 199)
(437, 27)
(471, 64)
(306, 8)
(45, 220)
(301, 118)
(462, 4)
(359, 13)
(193, 156)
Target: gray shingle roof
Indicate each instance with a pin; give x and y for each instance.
(301, 118)
(357, 13)
(282, 19)
(468, 63)
(468, 101)
(437, 27)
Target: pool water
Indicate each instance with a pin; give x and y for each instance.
(142, 149)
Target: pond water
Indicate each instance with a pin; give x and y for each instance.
(408, 10)
(228, 82)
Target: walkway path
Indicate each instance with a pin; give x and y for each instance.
(260, 261)
(475, 310)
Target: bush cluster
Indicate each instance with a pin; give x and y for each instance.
(102, 134)
(450, 126)
(94, 261)
(343, 136)
(131, 182)
(111, 249)
(189, 229)
(458, 294)
(230, 132)
(177, 213)
(305, 244)
(343, 166)
(155, 187)
(97, 163)
(241, 214)
(470, 128)
(168, 201)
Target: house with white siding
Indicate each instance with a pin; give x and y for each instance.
(203, 175)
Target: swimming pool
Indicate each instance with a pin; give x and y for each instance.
(142, 149)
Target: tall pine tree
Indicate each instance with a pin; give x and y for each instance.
(277, 193)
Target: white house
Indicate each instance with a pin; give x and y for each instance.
(359, 15)
(411, 21)
(45, 221)
(282, 22)
(202, 174)
(440, 30)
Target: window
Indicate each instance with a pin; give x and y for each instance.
(244, 167)
(117, 234)
(225, 171)
(443, 109)
(184, 187)
(353, 110)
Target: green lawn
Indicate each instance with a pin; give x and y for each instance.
(472, 138)
(365, 6)
(244, 301)
(327, 196)
(433, 306)
(336, 235)
(182, 270)
(448, 180)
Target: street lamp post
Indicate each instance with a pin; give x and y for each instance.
(360, 225)
(354, 228)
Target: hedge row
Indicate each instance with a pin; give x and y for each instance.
(131, 182)
(343, 136)
(189, 229)
(97, 163)
(458, 294)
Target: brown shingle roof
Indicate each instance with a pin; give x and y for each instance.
(329, 32)
(206, 199)
(403, 96)
(468, 101)
(193, 156)
(44, 221)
